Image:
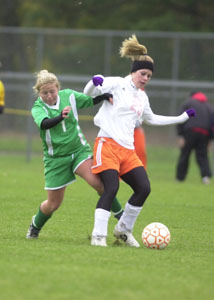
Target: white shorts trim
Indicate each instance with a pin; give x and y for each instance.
(59, 187)
(98, 153)
(89, 157)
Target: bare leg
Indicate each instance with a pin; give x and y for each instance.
(84, 171)
(55, 198)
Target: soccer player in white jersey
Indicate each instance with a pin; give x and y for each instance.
(66, 151)
(114, 154)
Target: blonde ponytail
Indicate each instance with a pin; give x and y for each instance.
(132, 49)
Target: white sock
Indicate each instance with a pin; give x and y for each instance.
(128, 217)
(101, 218)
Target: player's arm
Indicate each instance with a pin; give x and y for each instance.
(99, 85)
(105, 96)
(157, 120)
(48, 123)
(92, 87)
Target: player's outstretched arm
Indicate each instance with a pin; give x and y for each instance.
(91, 87)
(158, 120)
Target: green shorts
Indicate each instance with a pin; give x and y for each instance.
(59, 171)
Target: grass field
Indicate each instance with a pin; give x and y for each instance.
(61, 264)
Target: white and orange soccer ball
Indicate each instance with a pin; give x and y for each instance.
(156, 236)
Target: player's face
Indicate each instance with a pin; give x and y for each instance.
(49, 93)
(141, 78)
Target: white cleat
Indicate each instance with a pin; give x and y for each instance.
(127, 237)
(206, 180)
(98, 241)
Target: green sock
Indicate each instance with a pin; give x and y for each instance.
(116, 207)
(40, 219)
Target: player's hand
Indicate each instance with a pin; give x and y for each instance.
(66, 111)
(191, 112)
(108, 96)
(97, 80)
(110, 99)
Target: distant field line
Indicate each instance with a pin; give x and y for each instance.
(23, 112)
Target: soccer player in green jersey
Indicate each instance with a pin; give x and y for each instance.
(66, 150)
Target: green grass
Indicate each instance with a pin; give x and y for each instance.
(61, 264)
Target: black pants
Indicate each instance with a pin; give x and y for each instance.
(137, 179)
(198, 142)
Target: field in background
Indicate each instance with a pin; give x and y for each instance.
(61, 264)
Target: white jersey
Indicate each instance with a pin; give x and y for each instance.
(130, 105)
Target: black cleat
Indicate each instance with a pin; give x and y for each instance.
(33, 232)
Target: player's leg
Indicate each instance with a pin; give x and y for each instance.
(55, 198)
(138, 180)
(190, 140)
(58, 175)
(201, 152)
(102, 213)
(84, 171)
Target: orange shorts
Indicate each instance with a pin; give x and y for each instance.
(108, 154)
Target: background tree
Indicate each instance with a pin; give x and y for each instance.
(149, 15)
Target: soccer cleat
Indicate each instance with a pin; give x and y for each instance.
(98, 241)
(33, 232)
(206, 180)
(127, 237)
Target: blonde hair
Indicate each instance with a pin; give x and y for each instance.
(131, 48)
(44, 77)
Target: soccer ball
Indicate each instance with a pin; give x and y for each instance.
(156, 236)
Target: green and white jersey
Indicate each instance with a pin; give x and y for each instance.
(66, 137)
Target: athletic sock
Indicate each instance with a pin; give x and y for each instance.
(101, 218)
(116, 208)
(40, 219)
(128, 217)
(118, 215)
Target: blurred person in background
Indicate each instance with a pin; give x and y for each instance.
(66, 150)
(195, 135)
(2, 97)
(140, 143)
(114, 152)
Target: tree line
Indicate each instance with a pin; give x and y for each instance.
(142, 15)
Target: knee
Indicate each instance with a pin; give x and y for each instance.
(147, 189)
(111, 190)
(52, 206)
(95, 182)
(98, 187)
(143, 192)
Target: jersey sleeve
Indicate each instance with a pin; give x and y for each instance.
(107, 87)
(39, 114)
(82, 100)
(158, 120)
